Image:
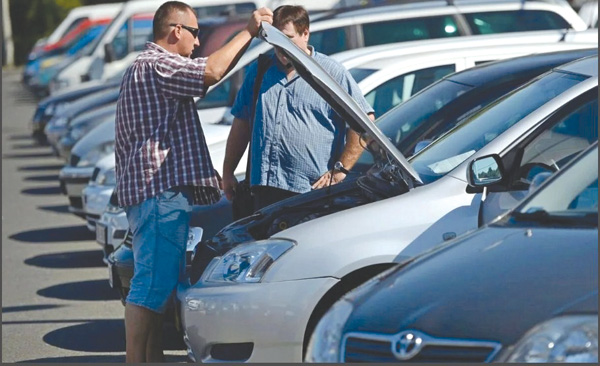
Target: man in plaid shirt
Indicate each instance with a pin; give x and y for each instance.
(163, 164)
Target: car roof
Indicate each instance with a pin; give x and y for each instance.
(482, 74)
(388, 64)
(587, 66)
(359, 56)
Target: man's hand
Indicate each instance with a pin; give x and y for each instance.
(259, 16)
(229, 185)
(326, 178)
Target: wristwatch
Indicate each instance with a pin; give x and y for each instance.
(339, 166)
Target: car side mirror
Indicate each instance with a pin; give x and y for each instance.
(485, 171)
(109, 53)
(421, 145)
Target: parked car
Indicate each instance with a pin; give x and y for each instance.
(111, 227)
(231, 312)
(81, 125)
(409, 126)
(521, 289)
(58, 126)
(96, 195)
(49, 106)
(86, 153)
(74, 41)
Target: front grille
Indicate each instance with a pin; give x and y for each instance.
(119, 234)
(74, 160)
(380, 348)
(76, 202)
(95, 174)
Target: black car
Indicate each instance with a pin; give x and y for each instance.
(428, 114)
(522, 289)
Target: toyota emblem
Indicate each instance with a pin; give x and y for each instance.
(407, 345)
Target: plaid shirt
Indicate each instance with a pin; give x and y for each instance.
(159, 138)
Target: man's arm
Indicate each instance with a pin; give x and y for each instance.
(350, 155)
(238, 139)
(224, 59)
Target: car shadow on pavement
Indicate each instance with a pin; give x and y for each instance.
(28, 146)
(48, 154)
(103, 359)
(36, 168)
(20, 137)
(42, 178)
(104, 335)
(54, 235)
(56, 208)
(18, 309)
(92, 290)
(42, 191)
(87, 259)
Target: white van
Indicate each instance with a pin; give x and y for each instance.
(103, 62)
(81, 13)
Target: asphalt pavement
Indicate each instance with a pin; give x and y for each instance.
(57, 305)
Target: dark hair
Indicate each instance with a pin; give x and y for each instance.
(160, 23)
(291, 13)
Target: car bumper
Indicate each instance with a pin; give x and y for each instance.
(54, 134)
(95, 199)
(116, 226)
(259, 322)
(72, 181)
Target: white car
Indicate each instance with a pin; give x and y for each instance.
(96, 194)
(260, 301)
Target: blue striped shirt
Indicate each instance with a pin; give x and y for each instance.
(296, 136)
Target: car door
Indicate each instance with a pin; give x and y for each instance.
(566, 133)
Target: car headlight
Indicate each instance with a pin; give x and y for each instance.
(564, 339)
(97, 153)
(324, 345)
(325, 342)
(107, 178)
(60, 122)
(249, 262)
(78, 131)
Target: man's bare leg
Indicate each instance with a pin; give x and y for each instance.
(154, 347)
(140, 324)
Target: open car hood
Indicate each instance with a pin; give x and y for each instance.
(338, 98)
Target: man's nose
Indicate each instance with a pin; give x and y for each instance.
(197, 42)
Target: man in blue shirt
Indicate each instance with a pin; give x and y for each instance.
(297, 137)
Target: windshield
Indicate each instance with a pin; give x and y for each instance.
(402, 125)
(571, 198)
(481, 128)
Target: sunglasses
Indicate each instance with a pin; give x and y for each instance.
(193, 31)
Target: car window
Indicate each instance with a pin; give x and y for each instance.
(141, 33)
(397, 90)
(481, 128)
(571, 198)
(554, 147)
(514, 21)
(359, 73)
(218, 96)
(402, 30)
(73, 25)
(329, 41)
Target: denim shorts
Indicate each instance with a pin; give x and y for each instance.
(160, 227)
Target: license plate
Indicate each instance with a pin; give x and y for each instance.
(101, 233)
(110, 276)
